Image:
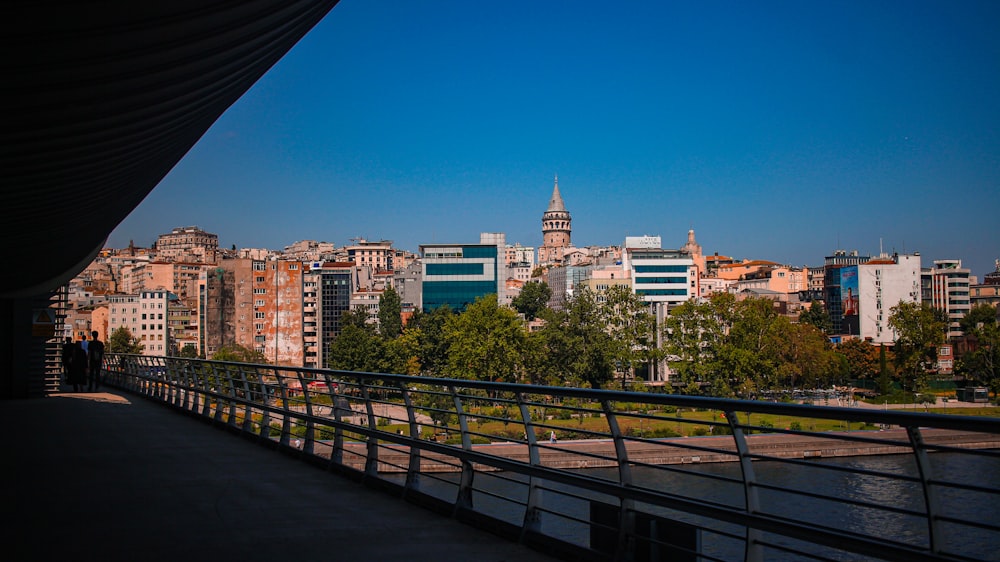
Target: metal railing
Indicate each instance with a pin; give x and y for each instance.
(608, 475)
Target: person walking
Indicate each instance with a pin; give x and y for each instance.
(78, 367)
(95, 362)
(67, 357)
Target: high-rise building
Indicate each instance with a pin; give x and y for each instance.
(557, 228)
(950, 292)
(327, 288)
(458, 274)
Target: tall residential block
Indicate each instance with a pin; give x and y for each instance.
(950, 292)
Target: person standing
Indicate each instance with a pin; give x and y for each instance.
(95, 362)
(67, 357)
(78, 367)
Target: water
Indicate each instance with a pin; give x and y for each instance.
(838, 513)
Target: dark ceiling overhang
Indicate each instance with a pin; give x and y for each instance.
(103, 99)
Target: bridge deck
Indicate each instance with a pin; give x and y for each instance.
(110, 476)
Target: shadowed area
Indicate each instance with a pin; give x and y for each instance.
(103, 99)
(108, 476)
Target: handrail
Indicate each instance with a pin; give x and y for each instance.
(730, 489)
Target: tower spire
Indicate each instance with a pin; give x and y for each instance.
(556, 203)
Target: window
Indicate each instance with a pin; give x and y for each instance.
(258, 315)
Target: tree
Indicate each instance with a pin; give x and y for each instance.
(920, 329)
(979, 316)
(816, 315)
(575, 345)
(533, 298)
(390, 319)
(356, 348)
(486, 342)
(805, 357)
(432, 347)
(862, 358)
(693, 334)
(122, 341)
(982, 364)
(189, 351)
(239, 354)
(632, 328)
(355, 317)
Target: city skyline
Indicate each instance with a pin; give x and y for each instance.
(778, 131)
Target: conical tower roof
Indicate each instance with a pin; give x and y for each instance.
(556, 203)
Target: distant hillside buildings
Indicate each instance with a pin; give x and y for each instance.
(287, 304)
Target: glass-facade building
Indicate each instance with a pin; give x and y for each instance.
(458, 274)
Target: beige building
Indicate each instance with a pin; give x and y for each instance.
(144, 314)
(188, 243)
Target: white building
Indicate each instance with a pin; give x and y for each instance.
(950, 292)
(145, 315)
(883, 283)
(662, 276)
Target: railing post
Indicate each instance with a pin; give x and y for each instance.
(626, 513)
(413, 470)
(464, 498)
(310, 435)
(532, 512)
(337, 453)
(371, 460)
(931, 501)
(248, 400)
(753, 551)
(286, 419)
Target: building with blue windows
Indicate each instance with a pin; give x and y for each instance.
(658, 275)
(457, 274)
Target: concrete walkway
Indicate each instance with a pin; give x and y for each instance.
(110, 476)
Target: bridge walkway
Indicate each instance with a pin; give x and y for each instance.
(110, 476)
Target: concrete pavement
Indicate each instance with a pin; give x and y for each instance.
(110, 476)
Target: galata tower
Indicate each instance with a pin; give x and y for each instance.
(556, 229)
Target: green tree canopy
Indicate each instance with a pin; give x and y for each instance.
(862, 358)
(920, 329)
(632, 327)
(121, 340)
(817, 315)
(533, 298)
(432, 347)
(189, 351)
(357, 348)
(239, 354)
(486, 342)
(390, 318)
(981, 365)
(575, 346)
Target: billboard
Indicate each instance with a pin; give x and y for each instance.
(849, 290)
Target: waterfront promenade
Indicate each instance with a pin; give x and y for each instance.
(110, 476)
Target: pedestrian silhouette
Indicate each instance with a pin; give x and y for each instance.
(78, 367)
(95, 362)
(67, 357)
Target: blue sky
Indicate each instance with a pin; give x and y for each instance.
(777, 130)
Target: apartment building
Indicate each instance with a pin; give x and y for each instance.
(145, 315)
(950, 292)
